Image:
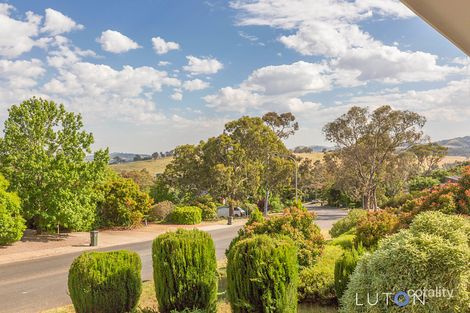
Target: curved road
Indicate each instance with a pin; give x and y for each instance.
(41, 284)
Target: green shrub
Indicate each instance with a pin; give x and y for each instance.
(185, 271)
(317, 283)
(344, 267)
(433, 253)
(123, 204)
(208, 206)
(11, 223)
(347, 223)
(345, 241)
(161, 210)
(249, 207)
(105, 282)
(374, 226)
(262, 275)
(297, 224)
(185, 215)
(422, 182)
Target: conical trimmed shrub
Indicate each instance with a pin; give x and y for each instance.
(185, 271)
(105, 282)
(262, 275)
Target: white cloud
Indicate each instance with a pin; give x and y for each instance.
(63, 52)
(298, 78)
(233, 99)
(177, 96)
(202, 65)
(161, 46)
(20, 74)
(331, 29)
(195, 84)
(115, 42)
(18, 36)
(57, 23)
(163, 63)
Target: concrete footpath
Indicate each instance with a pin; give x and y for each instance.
(34, 246)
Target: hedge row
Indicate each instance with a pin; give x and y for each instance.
(185, 215)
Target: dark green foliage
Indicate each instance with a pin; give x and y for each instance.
(105, 282)
(185, 271)
(161, 210)
(123, 204)
(208, 207)
(185, 215)
(422, 182)
(344, 267)
(317, 282)
(347, 223)
(11, 223)
(262, 275)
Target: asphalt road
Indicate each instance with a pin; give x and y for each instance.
(37, 285)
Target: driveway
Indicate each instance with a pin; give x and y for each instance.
(326, 216)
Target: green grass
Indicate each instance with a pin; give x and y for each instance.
(152, 166)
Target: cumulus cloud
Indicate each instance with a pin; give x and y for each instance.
(233, 99)
(331, 29)
(177, 96)
(20, 74)
(18, 36)
(195, 84)
(115, 42)
(57, 23)
(198, 66)
(161, 46)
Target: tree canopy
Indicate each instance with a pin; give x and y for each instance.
(43, 155)
(369, 142)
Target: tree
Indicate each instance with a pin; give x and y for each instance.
(284, 124)
(142, 178)
(368, 142)
(43, 155)
(11, 223)
(429, 155)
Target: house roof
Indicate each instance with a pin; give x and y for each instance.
(450, 17)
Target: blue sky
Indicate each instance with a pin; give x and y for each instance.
(150, 75)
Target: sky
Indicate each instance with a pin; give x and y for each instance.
(149, 75)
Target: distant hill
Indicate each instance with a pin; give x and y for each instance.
(307, 149)
(154, 167)
(459, 146)
(122, 156)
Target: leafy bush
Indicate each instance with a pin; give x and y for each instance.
(433, 253)
(208, 207)
(123, 203)
(105, 282)
(262, 275)
(374, 226)
(275, 204)
(344, 267)
(317, 283)
(398, 200)
(297, 224)
(185, 215)
(345, 241)
(347, 223)
(161, 210)
(422, 182)
(185, 271)
(11, 223)
(249, 207)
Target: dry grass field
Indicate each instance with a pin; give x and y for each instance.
(153, 166)
(158, 166)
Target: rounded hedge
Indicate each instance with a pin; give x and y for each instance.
(185, 271)
(433, 253)
(262, 275)
(161, 210)
(185, 215)
(11, 223)
(347, 223)
(105, 282)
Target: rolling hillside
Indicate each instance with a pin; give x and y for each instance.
(154, 167)
(459, 146)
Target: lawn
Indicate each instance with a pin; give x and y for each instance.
(148, 299)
